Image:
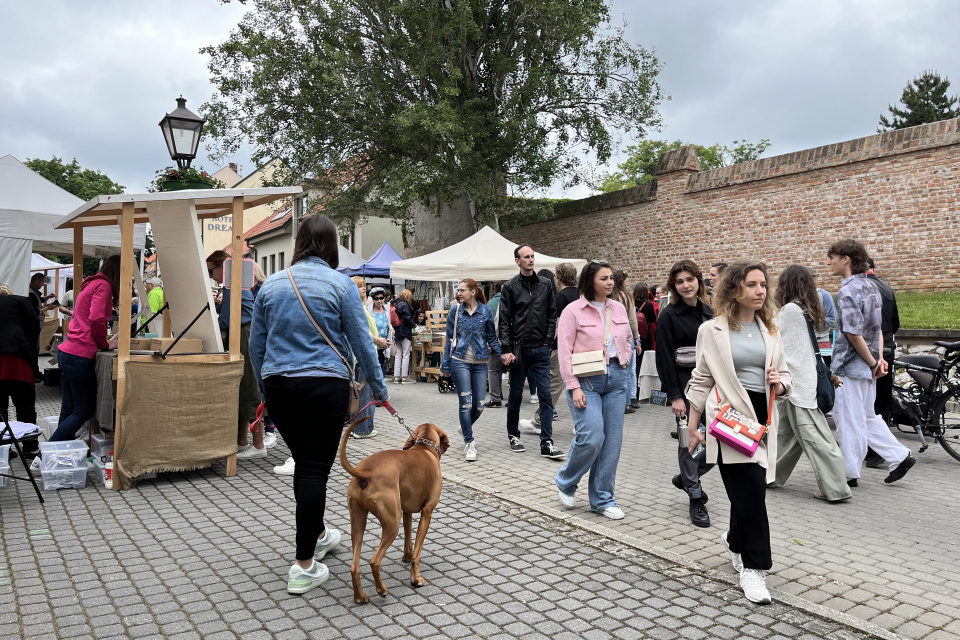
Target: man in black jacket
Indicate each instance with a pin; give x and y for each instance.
(528, 324)
(889, 325)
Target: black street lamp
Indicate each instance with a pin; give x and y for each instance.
(181, 131)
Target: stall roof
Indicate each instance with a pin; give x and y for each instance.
(486, 256)
(210, 203)
(377, 266)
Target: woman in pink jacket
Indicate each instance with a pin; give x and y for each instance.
(596, 401)
(87, 335)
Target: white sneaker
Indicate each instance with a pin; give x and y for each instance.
(470, 452)
(754, 585)
(734, 557)
(534, 399)
(614, 513)
(330, 540)
(527, 426)
(299, 581)
(568, 500)
(362, 436)
(286, 469)
(270, 439)
(251, 451)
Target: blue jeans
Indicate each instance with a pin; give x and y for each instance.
(79, 389)
(366, 395)
(470, 379)
(535, 361)
(632, 388)
(599, 436)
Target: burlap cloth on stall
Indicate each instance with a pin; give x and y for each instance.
(176, 417)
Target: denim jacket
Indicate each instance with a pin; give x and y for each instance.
(475, 330)
(283, 340)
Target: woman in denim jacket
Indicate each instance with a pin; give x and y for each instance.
(597, 401)
(306, 383)
(471, 336)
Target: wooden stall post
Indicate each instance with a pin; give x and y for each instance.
(236, 297)
(166, 331)
(77, 259)
(124, 311)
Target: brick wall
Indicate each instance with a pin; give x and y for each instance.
(896, 192)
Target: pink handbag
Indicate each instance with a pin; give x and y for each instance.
(737, 430)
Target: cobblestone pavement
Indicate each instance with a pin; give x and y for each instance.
(890, 556)
(197, 555)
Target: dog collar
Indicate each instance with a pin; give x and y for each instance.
(417, 438)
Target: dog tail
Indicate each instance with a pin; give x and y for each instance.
(349, 468)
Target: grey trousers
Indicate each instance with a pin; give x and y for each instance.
(805, 431)
(495, 378)
(690, 469)
(557, 388)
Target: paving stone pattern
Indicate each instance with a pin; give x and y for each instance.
(197, 555)
(889, 556)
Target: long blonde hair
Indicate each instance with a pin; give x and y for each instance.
(730, 288)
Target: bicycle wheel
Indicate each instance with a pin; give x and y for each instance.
(949, 424)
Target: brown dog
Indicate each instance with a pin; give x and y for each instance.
(388, 484)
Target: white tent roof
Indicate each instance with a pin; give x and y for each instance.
(31, 205)
(348, 258)
(484, 256)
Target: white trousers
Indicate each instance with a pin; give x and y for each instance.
(860, 427)
(401, 363)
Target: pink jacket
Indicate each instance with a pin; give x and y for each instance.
(91, 314)
(581, 330)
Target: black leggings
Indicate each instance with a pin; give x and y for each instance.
(746, 485)
(309, 413)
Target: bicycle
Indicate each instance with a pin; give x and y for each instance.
(930, 404)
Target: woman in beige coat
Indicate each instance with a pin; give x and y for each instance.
(740, 358)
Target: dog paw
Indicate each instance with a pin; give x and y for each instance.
(361, 598)
(383, 592)
(407, 557)
(418, 582)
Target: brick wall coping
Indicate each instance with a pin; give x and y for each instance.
(611, 200)
(927, 136)
(932, 334)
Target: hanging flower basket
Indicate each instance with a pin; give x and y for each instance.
(173, 179)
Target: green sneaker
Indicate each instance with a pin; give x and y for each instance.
(329, 541)
(300, 581)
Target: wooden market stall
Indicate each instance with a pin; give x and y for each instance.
(175, 412)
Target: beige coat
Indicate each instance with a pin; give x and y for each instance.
(715, 369)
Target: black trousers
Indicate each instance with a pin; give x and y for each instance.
(884, 400)
(24, 396)
(309, 413)
(690, 468)
(746, 485)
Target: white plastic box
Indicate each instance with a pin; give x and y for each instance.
(100, 445)
(66, 455)
(4, 468)
(97, 470)
(64, 478)
(48, 425)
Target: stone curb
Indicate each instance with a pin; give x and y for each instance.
(797, 602)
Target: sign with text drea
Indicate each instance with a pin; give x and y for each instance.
(224, 223)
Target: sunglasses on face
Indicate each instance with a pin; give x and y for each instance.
(378, 298)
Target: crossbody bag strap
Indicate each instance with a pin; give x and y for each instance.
(317, 326)
(769, 409)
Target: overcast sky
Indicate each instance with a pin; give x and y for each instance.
(91, 80)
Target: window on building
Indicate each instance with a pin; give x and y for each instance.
(281, 261)
(273, 263)
(264, 265)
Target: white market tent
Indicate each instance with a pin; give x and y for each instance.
(348, 258)
(484, 256)
(30, 206)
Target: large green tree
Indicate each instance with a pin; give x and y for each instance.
(924, 100)
(640, 167)
(410, 102)
(83, 183)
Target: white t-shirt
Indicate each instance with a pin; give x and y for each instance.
(612, 346)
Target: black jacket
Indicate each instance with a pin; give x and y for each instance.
(889, 316)
(19, 328)
(561, 299)
(516, 299)
(677, 327)
(407, 323)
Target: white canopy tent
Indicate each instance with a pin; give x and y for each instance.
(484, 256)
(348, 258)
(30, 206)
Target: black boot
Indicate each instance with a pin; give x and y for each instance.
(698, 513)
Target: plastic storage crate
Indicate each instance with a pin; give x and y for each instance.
(5, 454)
(64, 455)
(100, 445)
(64, 478)
(48, 425)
